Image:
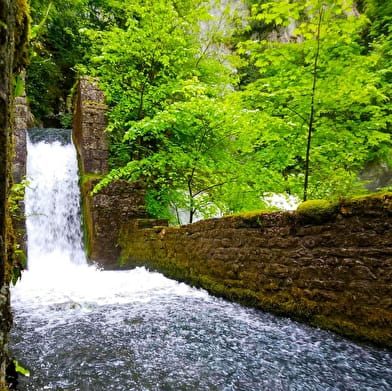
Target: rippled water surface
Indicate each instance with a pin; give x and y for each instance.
(170, 337)
(78, 328)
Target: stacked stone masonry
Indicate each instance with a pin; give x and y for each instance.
(89, 127)
(331, 269)
(104, 213)
(22, 121)
(335, 273)
(117, 203)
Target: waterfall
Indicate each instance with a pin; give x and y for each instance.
(53, 206)
(58, 273)
(78, 328)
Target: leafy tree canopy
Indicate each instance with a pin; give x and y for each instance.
(212, 108)
(352, 116)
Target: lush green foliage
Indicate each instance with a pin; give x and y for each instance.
(16, 196)
(352, 116)
(57, 45)
(168, 122)
(211, 129)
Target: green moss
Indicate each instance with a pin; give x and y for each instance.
(84, 178)
(367, 198)
(94, 103)
(377, 335)
(317, 211)
(87, 224)
(22, 34)
(248, 214)
(86, 217)
(376, 196)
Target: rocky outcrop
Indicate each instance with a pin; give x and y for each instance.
(327, 265)
(117, 203)
(22, 121)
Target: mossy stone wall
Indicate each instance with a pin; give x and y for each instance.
(23, 119)
(89, 127)
(120, 201)
(330, 267)
(104, 213)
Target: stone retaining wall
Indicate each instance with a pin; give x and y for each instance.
(23, 119)
(103, 214)
(331, 269)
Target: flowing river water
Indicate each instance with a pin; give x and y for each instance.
(80, 328)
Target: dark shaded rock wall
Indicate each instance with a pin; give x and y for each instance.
(14, 24)
(335, 273)
(22, 121)
(120, 201)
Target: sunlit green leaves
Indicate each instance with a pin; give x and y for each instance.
(352, 117)
(178, 123)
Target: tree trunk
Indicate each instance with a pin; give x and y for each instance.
(311, 115)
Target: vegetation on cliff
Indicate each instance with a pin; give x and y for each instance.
(215, 111)
(14, 28)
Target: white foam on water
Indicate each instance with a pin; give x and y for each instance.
(58, 273)
(79, 328)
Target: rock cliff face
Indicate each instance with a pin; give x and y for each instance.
(120, 201)
(331, 268)
(22, 121)
(14, 24)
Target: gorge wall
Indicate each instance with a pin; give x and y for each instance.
(14, 25)
(330, 267)
(23, 120)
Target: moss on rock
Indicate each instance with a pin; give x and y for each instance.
(21, 35)
(317, 211)
(14, 30)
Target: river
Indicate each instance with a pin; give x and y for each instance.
(79, 328)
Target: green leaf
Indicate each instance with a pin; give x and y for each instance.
(19, 86)
(23, 371)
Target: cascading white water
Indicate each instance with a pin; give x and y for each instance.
(81, 329)
(52, 206)
(57, 268)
